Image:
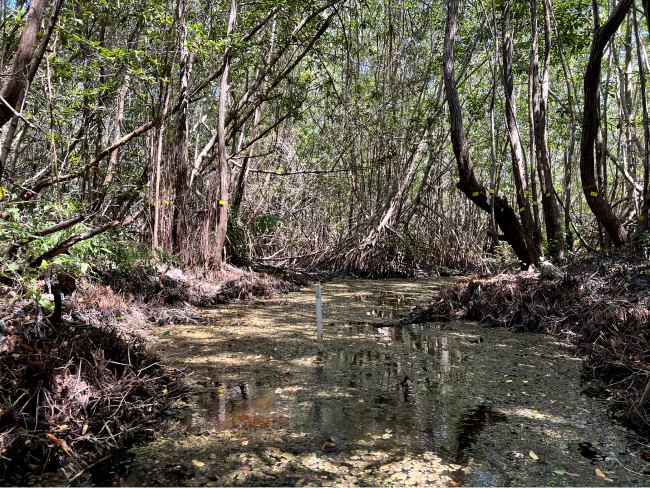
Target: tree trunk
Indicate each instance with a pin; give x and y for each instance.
(554, 235)
(505, 216)
(644, 214)
(596, 202)
(181, 144)
(222, 215)
(17, 81)
(516, 151)
(158, 141)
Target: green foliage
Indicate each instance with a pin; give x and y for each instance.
(644, 239)
(266, 223)
(237, 238)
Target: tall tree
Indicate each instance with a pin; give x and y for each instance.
(181, 144)
(591, 122)
(504, 214)
(222, 219)
(518, 169)
(554, 234)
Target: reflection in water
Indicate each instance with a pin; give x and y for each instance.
(414, 396)
(587, 450)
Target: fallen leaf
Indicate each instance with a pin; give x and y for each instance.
(244, 468)
(328, 445)
(277, 439)
(524, 393)
(524, 381)
(245, 443)
(360, 400)
(197, 463)
(509, 381)
(21, 430)
(553, 401)
(26, 347)
(60, 443)
(602, 475)
(533, 455)
(560, 472)
(84, 430)
(213, 456)
(573, 474)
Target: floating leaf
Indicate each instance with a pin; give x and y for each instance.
(533, 455)
(602, 475)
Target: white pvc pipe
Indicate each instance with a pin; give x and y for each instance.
(319, 319)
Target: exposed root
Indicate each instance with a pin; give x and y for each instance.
(70, 394)
(603, 319)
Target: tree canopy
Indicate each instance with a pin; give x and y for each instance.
(322, 133)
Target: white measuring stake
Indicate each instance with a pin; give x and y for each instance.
(319, 319)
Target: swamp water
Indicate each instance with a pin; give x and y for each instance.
(443, 404)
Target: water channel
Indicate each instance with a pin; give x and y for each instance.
(446, 404)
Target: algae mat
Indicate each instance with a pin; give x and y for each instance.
(429, 404)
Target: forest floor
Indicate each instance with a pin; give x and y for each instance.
(247, 399)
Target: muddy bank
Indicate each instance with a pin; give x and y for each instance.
(427, 404)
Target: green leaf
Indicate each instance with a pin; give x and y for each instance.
(167, 333)
(559, 472)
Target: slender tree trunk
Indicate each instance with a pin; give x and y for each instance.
(554, 234)
(468, 184)
(644, 213)
(160, 131)
(596, 202)
(222, 217)
(112, 162)
(516, 151)
(243, 172)
(537, 229)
